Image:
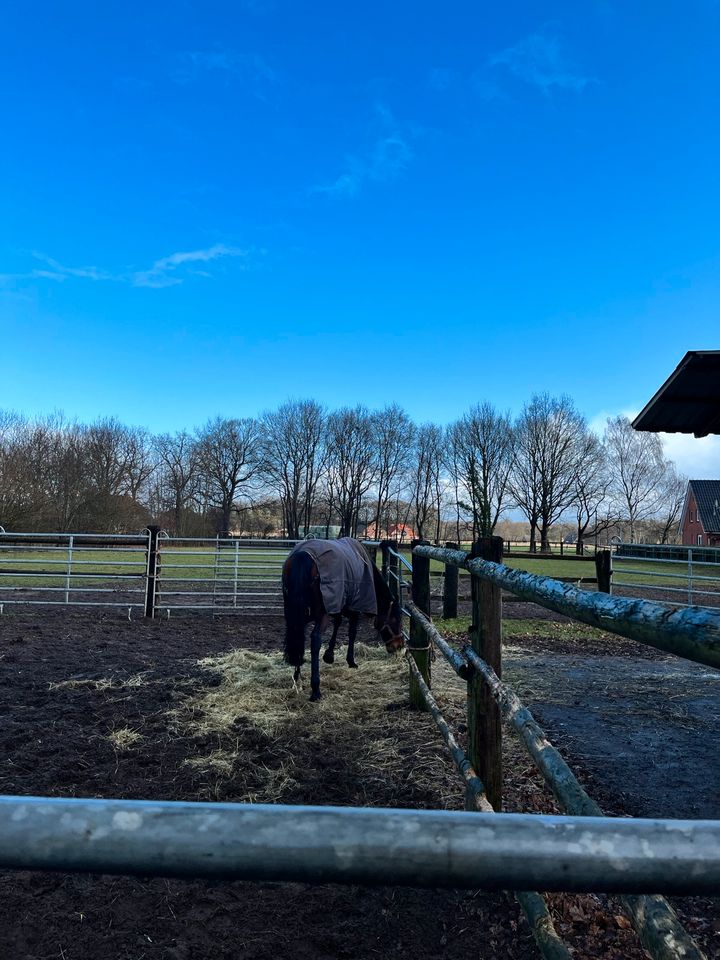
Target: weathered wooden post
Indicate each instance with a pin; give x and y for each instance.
(603, 570)
(484, 722)
(419, 644)
(152, 570)
(450, 586)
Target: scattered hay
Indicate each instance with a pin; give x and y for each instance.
(257, 703)
(124, 738)
(258, 690)
(102, 683)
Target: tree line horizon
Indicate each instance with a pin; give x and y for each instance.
(302, 466)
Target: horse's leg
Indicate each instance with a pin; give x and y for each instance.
(296, 675)
(315, 644)
(329, 655)
(352, 633)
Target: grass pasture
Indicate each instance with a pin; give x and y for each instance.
(189, 571)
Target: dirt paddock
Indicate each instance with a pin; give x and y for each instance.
(92, 705)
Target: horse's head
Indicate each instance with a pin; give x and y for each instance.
(389, 626)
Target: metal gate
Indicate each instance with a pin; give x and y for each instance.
(223, 575)
(74, 569)
(679, 576)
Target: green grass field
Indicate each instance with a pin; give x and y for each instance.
(37, 568)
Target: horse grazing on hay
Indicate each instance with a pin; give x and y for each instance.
(326, 580)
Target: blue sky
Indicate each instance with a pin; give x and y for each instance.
(209, 208)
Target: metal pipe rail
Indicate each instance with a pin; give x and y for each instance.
(359, 845)
(85, 569)
(692, 633)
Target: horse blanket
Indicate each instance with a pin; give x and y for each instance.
(346, 576)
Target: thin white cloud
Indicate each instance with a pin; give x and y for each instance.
(538, 59)
(388, 157)
(697, 459)
(163, 272)
(168, 271)
(58, 269)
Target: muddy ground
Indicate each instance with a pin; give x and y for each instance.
(636, 726)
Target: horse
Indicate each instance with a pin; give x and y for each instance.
(324, 581)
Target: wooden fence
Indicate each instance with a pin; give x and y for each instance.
(691, 633)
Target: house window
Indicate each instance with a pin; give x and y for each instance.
(699, 542)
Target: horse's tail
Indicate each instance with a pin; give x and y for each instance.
(297, 578)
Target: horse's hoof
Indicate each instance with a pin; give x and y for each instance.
(352, 665)
(329, 656)
(314, 697)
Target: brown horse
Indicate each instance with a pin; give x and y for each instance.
(324, 581)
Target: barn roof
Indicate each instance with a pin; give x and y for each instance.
(707, 498)
(689, 400)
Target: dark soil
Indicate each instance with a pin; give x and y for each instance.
(55, 743)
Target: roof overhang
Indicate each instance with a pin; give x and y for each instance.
(689, 400)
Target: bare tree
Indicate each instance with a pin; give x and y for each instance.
(116, 464)
(394, 438)
(482, 455)
(427, 486)
(18, 480)
(591, 500)
(352, 463)
(229, 459)
(293, 455)
(673, 487)
(549, 446)
(178, 476)
(638, 468)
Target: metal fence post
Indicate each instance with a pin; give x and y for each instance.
(419, 644)
(152, 567)
(393, 570)
(690, 575)
(71, 541)
(450, 586)
(484, 720)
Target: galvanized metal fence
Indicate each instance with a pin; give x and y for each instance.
(686, 576)
(222, 575)
(74, 569)
(151, 572)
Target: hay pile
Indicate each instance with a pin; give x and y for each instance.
(360, 744)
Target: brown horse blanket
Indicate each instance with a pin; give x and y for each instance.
(346, 576)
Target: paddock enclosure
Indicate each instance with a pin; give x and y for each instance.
(202, 709)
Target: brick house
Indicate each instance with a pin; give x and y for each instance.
(700, 520)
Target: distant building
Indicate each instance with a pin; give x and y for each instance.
(700, 520)
(396, 531)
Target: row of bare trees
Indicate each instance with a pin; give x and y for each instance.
(301, 466)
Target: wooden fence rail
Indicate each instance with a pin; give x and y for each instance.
(695, 633)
